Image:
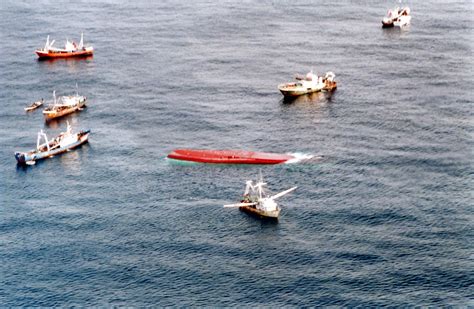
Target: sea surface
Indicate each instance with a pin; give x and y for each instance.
(383, 217)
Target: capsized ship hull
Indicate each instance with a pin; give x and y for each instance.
(228, 156)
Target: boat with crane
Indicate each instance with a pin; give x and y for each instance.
(257, 202)
(61, 143)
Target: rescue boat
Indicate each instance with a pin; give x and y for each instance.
(71, 49)
(308, 84)
(229, 156)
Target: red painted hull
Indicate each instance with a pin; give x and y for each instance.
(228, 156)
(82, 53)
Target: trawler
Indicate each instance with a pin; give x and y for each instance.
(71, 49)
(397, 17)
(309, 83)
(256, 202)
(64, 105)
(62, 143)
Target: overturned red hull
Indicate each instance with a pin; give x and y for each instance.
(228, 156)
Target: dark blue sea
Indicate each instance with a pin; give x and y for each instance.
(383, 218)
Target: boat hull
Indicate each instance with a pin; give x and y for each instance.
(54, 55)
(228, 156)
(32, 107)
(291, 93)
(48, 115)
(33, 155)
(272, 215)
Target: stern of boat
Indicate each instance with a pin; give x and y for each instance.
(20, 157)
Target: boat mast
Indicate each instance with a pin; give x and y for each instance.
(42, 134)
(46, 46)
(81, 43)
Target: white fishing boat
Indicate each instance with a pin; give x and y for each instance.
(62, 143)
(64, 105)
(309, 83)
(256, 202)
(397, 17)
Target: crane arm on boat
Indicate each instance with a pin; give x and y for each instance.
(282, 193)
(239, 205)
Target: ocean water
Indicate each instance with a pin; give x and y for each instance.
(384, 217)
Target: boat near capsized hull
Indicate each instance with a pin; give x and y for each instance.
(257, 202)
(62, 143)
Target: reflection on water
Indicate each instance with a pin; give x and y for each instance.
(396, 32)
(73, 159)
(57, 123)
(72, 65)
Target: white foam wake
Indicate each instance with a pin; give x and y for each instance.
(301, 157)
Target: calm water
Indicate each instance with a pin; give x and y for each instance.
(386, 218)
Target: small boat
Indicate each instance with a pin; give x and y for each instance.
(34, 105)
(229, 156)
(71, 49)
(308, 84)
(64, 105)
(256, 202)
(397, 17)
(62, 143)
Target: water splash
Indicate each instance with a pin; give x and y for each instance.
(300, 157)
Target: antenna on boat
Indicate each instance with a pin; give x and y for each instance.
(81, 43)
(77, 90)
(46, 46)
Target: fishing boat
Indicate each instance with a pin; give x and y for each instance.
(397, 17)
(228, 156)
(64, 105)
(34, 105)
(62, 143)
(71, 49)
(309, 83)
(257, 202)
